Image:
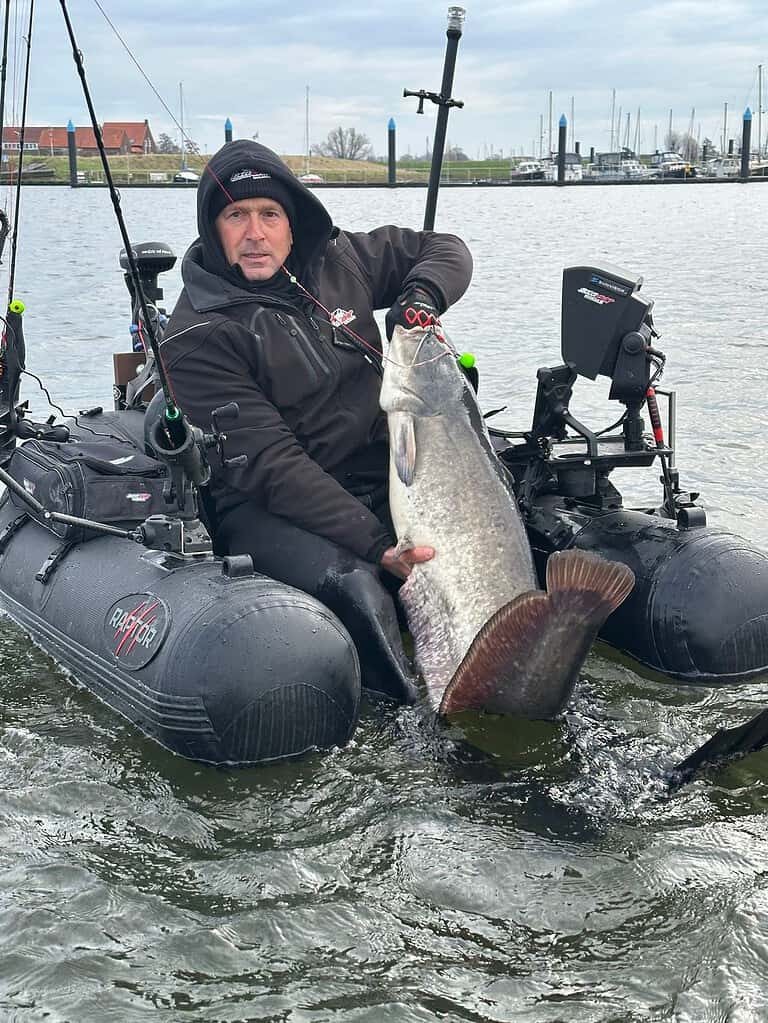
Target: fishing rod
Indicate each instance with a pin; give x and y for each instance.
(13, 356)
(22, 129)
(443, 99)
(174, 422)
(4, 225)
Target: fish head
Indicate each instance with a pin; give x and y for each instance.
(421, 375)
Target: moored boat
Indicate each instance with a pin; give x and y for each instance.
(527, 170)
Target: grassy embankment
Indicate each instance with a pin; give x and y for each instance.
(138, 169)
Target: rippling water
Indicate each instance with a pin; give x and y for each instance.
(403, 878)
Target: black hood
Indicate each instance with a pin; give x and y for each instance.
(312, 227)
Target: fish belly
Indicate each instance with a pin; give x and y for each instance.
(461, 504)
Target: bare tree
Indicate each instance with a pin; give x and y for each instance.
(344, 144)
(191, 147)
(165, 144)
(683, 143)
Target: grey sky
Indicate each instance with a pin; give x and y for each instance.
(251, 62)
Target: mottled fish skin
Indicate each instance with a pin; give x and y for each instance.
(448, 490)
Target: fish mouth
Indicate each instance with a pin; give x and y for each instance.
(410, 348)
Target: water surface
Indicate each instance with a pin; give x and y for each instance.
(403, 878)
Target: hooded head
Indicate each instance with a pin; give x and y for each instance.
(245, 170)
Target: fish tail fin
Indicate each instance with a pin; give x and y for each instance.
(526, 658)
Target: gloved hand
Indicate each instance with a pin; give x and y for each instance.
(416, 307)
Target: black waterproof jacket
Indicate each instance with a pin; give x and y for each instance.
(309, 422)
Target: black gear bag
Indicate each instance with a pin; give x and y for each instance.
(97, 476)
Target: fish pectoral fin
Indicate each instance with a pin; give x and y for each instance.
(402, 432)
(526, 658)
(611, 582)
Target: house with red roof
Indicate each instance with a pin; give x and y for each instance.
(139, 135)
(119, 137)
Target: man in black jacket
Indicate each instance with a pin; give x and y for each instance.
(277, 315)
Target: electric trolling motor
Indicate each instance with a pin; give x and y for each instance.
(561, 477)
(135, 372)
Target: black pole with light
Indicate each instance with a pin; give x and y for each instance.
(443, 100)
(746, 142)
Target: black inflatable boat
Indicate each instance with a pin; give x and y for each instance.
(224, 666)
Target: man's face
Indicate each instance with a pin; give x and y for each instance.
(255, 233)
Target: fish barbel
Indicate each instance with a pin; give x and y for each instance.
(485, 637)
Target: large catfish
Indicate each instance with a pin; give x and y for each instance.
(486, 638)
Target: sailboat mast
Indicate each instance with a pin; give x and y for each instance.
(181, 123)
(613, 114)
(759, 111)
(306, 135)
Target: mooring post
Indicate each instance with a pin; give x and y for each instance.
(561, 143)
(746, 138)
(72, 150)
(227, 130)
(392, 170)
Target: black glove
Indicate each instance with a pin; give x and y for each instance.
(416, 307)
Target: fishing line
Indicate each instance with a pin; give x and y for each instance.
(173, 416)
(185, 137)
(72, 416)
(442, 337)
(209, 170)
(4, 66)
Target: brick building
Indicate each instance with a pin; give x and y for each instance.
(120, 137)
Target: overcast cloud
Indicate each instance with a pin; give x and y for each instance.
(252, 62)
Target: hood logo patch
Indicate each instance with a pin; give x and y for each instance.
(135, 627)
(248, 172)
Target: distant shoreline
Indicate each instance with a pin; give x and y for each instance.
(585, 182)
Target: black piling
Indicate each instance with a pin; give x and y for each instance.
(577, 147)
(746, 139)
(591, 154)
(730, 147)
(392, 165)
(227, 130)
(72, 151)
(561, 143)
